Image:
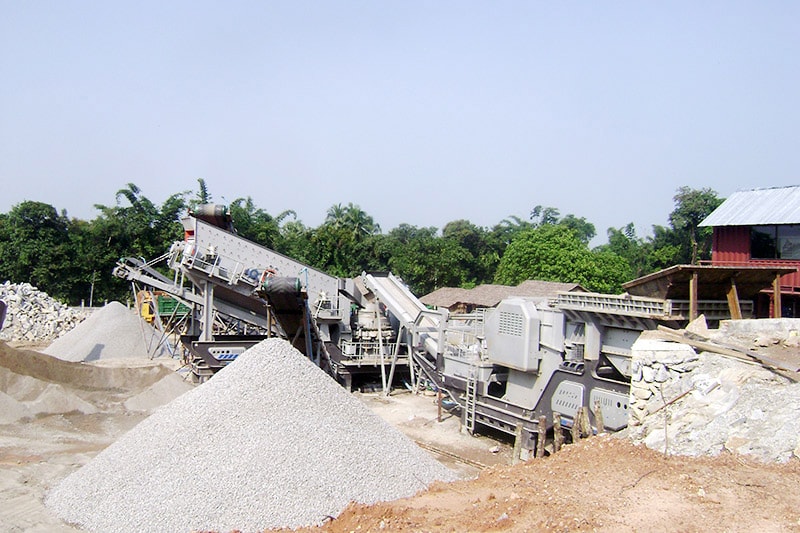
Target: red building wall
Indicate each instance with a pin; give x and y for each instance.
(731, 246)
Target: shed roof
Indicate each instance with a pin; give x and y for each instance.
(777, 205)
(713, 281)
(489, 295)
(445, 296)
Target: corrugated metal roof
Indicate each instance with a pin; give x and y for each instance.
(778, 205)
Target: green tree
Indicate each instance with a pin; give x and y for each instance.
(636, 251)
(502, 233)
(482, 257)
(583, 229)
(353, 219)
(140, 229)
(35, 248)
(425, 261)
(341, 245)
(255, 224)
(691, 207)
(202, 196)
(544, 216)
(555, 253)
(296, 242)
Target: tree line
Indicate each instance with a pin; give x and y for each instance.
(72, 259)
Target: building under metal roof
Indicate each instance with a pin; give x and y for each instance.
(756, 207)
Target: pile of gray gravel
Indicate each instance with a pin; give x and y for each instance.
(33, 315)
(270, 441)
(113, 331)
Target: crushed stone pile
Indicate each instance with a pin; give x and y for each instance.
(34, 316)
(270, 441)
(111, 332)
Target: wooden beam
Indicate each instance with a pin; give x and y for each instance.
(515, 455)
(541, 437)
(729, 350)
(733, 301)
(693, 292)
(558, 435)
(776, 296)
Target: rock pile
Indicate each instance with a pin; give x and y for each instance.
(762, 333)
(270, 442)
(688, 403)
(113, 331)
(33, 316)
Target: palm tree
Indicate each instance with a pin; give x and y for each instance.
(336, 215)
(359, 222)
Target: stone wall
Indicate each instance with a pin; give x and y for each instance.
(688, 403)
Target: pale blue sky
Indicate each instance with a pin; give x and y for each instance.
(419, 112)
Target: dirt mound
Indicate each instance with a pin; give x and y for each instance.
(34, 384)
(600, 484)
(11, 409)
(90, 377)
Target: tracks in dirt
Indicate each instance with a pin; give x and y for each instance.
(450, 455)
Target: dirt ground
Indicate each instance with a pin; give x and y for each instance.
(603, 483)
(37, 452)
(600, 484)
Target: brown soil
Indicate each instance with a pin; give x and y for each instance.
(599, 484)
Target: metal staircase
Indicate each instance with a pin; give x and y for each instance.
(470, 401)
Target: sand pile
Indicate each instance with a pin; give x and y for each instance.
(271, 441)
(113, 331)
(11, 409)
(33, 384)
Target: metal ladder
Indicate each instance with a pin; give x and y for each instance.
(470, 401)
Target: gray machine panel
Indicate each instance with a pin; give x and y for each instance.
(614, 406)
(236, 255)
(512, 335)
(567, 398)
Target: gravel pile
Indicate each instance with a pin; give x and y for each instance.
(33, 316)
(113, 331)
(270, 441)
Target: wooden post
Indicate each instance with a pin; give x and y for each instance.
(558, 435)
(541, 437)
(517, 443)
(576, 425)
(586, 426)
(776, 296)
(598, 418)
(733, 301)
(693, 292)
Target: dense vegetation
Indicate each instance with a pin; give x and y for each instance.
(72, 259)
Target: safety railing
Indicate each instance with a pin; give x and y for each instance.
(362, 353)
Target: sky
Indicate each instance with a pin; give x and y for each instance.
(419, 112)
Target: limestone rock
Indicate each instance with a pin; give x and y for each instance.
(34, 316)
